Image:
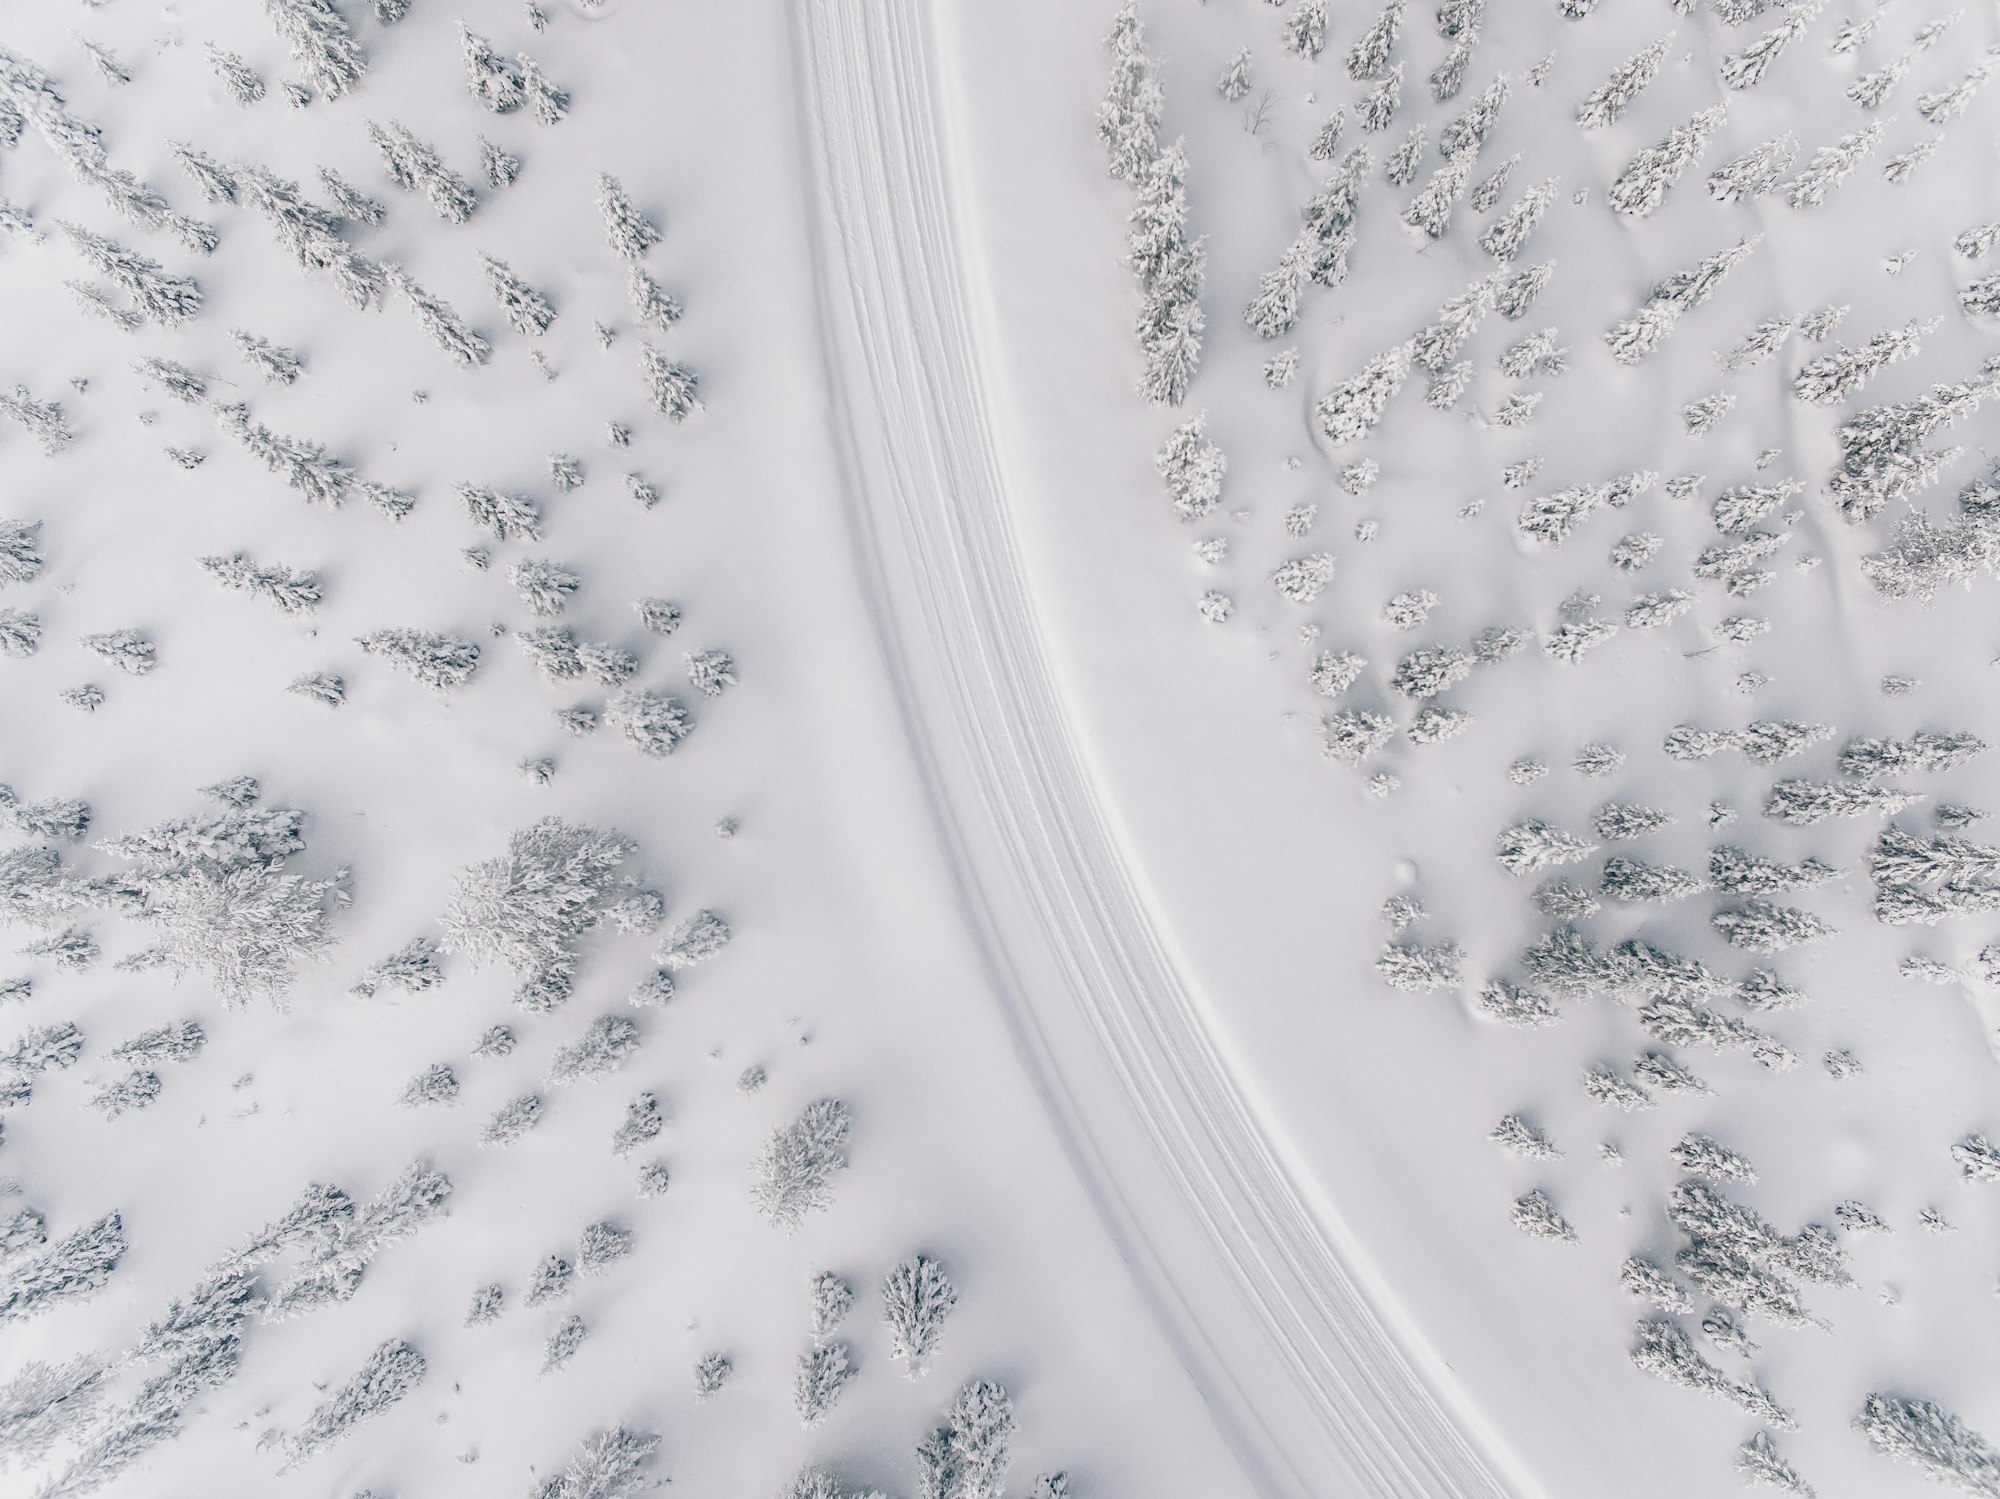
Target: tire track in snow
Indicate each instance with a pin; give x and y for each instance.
(1319, 1386)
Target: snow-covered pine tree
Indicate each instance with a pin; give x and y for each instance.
(440, 662)
(673, 386)
(238, 77)
(629, 232)
(548, 102)
(609, 1465)
(1746, 67)
(1350, 411)
(389, 1373)
(793, 1174)
(1832, 165)
(1610, 99)
(215, 182)
(1369, 55)
(293, 592)
(500, 167)
(1931, 1439)
(157, 296)
(492, 80)
(1430, 211)
(42, 419)
(1128, 119)
(507, 516)
(1305, 29)
(598, 1052)
(446, 328)
(311, 233)
(527, 310)
(917, 1297)
(1506, 235)
(1377, 108)
(323, 47)
(413, 164)
(77, 1265)
(350, 200)
(1640, 187)
(1836, 376)
(1274, 311)
(529, 908)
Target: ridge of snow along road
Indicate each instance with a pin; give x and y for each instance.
(1319, 1384)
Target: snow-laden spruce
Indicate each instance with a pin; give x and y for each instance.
(530, 908)
(323, 46)
(609, 1465)
(416, 165)
(393, 1370)
(1643, 184)
(793, 1174)
(440, 662)
(1931, 1439)
(968, 1457)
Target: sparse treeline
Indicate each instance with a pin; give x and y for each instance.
(1169, 267)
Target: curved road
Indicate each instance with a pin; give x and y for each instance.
(1319, 1386)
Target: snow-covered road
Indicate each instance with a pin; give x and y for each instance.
(1290, 1336)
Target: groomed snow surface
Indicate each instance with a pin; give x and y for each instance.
(673, 815)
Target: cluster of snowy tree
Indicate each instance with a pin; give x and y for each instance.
(675, 388)
(529, 908)
(1170, 268)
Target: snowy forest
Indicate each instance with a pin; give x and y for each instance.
(883, 749)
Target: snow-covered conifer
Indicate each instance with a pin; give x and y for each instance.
(128, 650)
(1421, 969)
(1931, 1439)
(1506, 235)
(312, 234)
(304, 465)
(492, 80)
(1662, 1349)
(351, 201)
(436, 1084)
(628, 231)
(1532, 846)
(157, 296)
(673, 385)
(1610, 99)
(507, 516)
(238, 77)
(643, 1121)
(1430, 211)
(323, 47)
(1464, 136)
(831, 1300)
(1746, 67)
(1517, 291)
(1832, 165)
(1192, 468)
(20, 550)
(1512, 1005)
(1274, 311)
(1640, 187)
(1377, 108)
(1516, 1136)
(1400, 170)
(823, 1372)
(651, 723)
(1759, 926)
(545, 587)
(1369, 55)
(793, 1174)
(1352, 736)
(1536, 1215)
(321, 687)
(967, 1458)
(562, 1344)
(77, 1265)
(547, 101)
(1170, 326)
(1128, 119)
(1761, 1466)
(440, 662)
(1653, 1285)
(527, 310)
(1448, 77)
(215, 182)
(413, 164)
(390, 1373)
(601, 1050)
(1305, 29)
(609, 1465)
(446, 328)
(1333, 672)
(1327, 143)
(1941, 105)
(917, 1297)
(513, 1120)
(651, 302)
(412, 969)
(293, 592)
(1235, 80)
(1349, 412)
